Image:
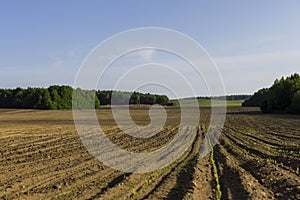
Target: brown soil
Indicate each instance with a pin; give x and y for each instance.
(42, 157)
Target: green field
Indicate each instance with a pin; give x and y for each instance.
(208, 103)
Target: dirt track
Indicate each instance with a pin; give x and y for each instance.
(257, 157)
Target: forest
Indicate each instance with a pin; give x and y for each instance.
(282, 97)
(60, 97)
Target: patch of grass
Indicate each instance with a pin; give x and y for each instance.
(144, 186)
(272, 160)
(215, 171)
(208, 103)
(134, 193)
(130, 184)
(218, 186)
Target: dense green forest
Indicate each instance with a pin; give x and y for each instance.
(282, 97)
(121, 98)
(60, 97)
(256, 99)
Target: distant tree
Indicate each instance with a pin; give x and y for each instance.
(6, 98)
(257, 99)
(43, 99)
(281, 97)
(17, 96)
(282, 93)
(120, 98)
(295, 105)
(135, 98)
(65, 97)
(85, 99)
(65, 93)
(161, 99)
(104, 97)
(147, 99)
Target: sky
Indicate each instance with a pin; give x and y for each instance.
(252, 42)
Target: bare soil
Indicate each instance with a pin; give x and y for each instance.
(42, 157)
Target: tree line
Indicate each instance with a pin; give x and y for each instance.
(227, 97)
(282, 97)
(108, 97)
(60, 97)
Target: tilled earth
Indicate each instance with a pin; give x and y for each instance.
(257, 157)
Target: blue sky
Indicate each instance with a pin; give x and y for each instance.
(252, 42)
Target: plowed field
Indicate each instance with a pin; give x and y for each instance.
(257, 157)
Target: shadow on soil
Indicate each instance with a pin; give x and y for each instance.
(230, 180)
(111, 184)
(184, 180)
